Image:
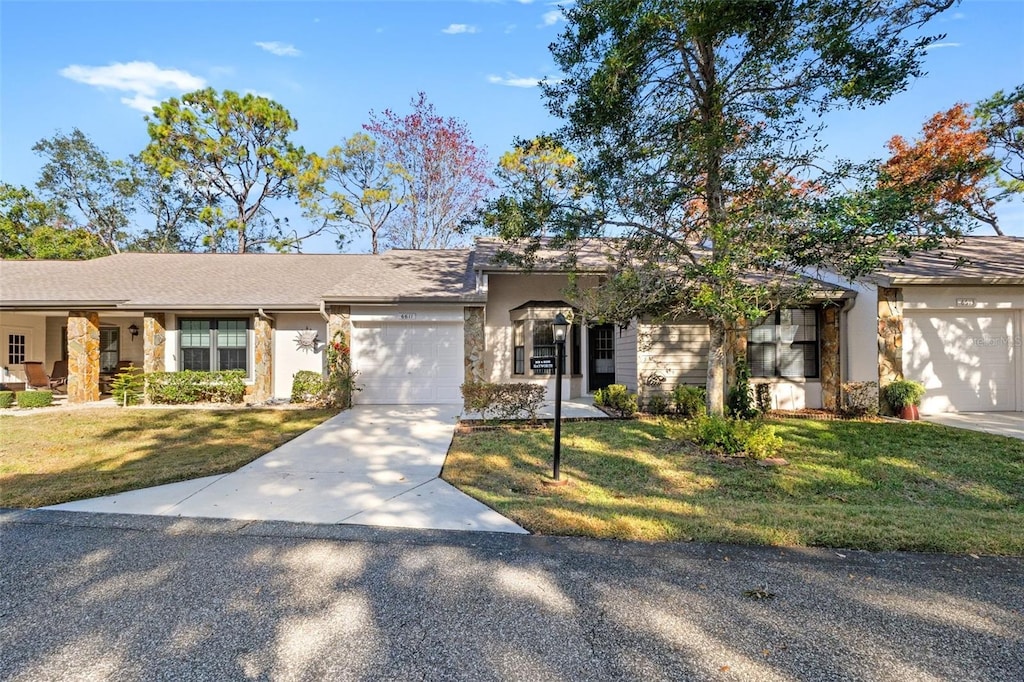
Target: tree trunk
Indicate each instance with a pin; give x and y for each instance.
(716, 368)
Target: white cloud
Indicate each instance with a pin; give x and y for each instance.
(936, 46)
(141, 77)
(141, 102)
(145, 81)
(259, 93)
(277, 48)
(551, 18)
(455, 29)
(513, 81)
(510, 28)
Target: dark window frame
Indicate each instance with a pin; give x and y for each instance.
(756, 350)
(519, 347)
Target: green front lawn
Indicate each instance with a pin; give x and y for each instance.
(878, 486)
(64, 455)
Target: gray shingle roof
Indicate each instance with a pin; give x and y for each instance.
(986, 260)
(141, 280)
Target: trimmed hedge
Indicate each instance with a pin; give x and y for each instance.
(6, 399)
(751, 438)
(35, 398)
(309, 387)
(506, 401)
(189, 386)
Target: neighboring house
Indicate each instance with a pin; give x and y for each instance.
(950, 319)
(420, 323)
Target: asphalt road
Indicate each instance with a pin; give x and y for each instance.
(112, 597)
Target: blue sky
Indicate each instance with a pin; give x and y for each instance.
(98, 65)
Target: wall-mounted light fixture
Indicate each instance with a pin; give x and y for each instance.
(133, 330)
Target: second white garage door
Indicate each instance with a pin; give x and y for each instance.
(403, 362)
(966, 361)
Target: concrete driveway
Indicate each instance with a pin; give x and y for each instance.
(371, 465)
(1009, 424)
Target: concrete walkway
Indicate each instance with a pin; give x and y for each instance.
(1010, 424)
(371, 465)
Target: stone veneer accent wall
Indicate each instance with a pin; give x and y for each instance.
(263, 371)
(339, 319)
(474, 344)
(831, 380)
(154, 342)
(83, 356)
(890, 341)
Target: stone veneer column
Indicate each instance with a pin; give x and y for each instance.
(890, 341)
(339, 321)
(263, 372)
(830, 359)
(473, 341)
(154, 343)
(83, 356)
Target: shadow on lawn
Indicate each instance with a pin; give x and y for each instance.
(118, 451)
(644, 481)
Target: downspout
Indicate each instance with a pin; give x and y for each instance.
(844, 341)
(264, 315)
(323, 311)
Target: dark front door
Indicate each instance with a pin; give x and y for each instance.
(601, 355)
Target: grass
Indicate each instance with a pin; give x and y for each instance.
(876, 486)
(67, 455)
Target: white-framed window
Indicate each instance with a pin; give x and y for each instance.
(210, 344)
(110, 349)
(16, 349)
(785, 345)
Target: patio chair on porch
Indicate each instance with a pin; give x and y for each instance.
(59, 376)
(35, 377)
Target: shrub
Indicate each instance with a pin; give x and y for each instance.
(740, 402)
(477, 396)
(689, 401)
(657, 405)
(309, 387)
(6, 399)
(188, 386)
(903, 392)
(506, 401)
(860, 398)
(35, 398)
(617, 398)
(735, 436)
(127, 387)
(512, 399)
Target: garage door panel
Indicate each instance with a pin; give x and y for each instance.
(965, 361)
(408, 362)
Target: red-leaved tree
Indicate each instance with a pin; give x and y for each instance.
(950, 168)
(442, 175)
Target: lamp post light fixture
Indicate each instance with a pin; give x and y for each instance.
(560, 330)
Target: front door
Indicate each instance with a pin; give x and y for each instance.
(601, 355)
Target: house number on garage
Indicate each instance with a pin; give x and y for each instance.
(965, 303)
(407, 316)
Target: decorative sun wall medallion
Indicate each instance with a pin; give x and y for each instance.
(306, 340)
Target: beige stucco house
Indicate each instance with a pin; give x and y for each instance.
(421, 323)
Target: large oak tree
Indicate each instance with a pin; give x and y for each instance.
(695, 123)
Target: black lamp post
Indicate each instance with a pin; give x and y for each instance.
(559, 329)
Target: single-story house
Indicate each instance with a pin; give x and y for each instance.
(420, 323)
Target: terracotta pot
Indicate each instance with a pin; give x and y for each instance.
(910, 413)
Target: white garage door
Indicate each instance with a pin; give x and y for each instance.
(407, 362)
(966, 361)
